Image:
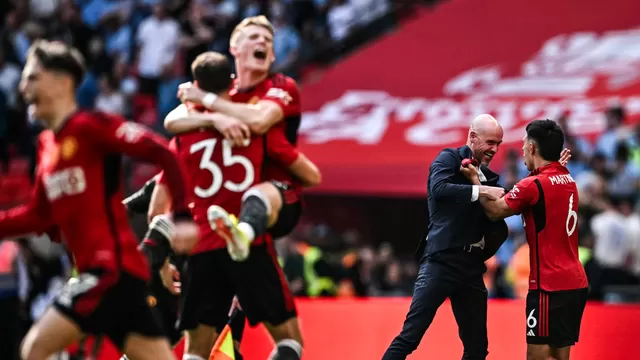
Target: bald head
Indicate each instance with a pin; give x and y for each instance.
(485, 136)
(484, 123)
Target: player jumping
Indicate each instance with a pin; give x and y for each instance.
(266, 103)
(220, 174)
(79, 190)
(548, 202)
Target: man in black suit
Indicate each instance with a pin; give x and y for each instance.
(460, 239)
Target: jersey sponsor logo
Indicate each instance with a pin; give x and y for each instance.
(71, 181)
(68, 147)
(280, 94)
(130, 132)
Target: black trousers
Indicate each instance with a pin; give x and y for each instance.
(457, 275)
(11, 330)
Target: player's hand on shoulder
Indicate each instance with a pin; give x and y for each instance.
(188, 92)
(565, 156)
(233, 130)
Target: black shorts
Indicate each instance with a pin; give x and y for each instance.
(554, 317)
(289, 213)
(167, 307)
(211, 279)
(103, 303)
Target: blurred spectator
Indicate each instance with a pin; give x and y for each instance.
(222, 13)
(613, 244)
(9, 79)
(72, 29)
(157, 38)
(286, 46)
(196, 34)
(251, 8)
(340, 19)
(110, 99)
(614, 133)
(43, 9)
(625, 174)
(118, 36)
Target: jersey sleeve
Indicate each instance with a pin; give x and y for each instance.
(113, 134)
(284, 92)
(524, 194)
(173, 146)
(279, 148)
(33, 217)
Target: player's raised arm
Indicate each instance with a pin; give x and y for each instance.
(113, 134)
(33, 217)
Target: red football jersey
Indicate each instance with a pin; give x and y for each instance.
(219, 174)
(79, 189)
(548, 202)
(283, 91)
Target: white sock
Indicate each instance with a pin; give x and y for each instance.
(191, 357)
(247, 230)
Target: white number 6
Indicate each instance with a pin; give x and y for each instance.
(572, 215)
(531, 320)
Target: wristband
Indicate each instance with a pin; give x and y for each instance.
(208, 100)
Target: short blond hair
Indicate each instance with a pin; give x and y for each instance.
(259, 20)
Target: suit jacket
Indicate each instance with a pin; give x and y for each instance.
(454, 220)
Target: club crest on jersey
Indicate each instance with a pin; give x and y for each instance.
(68, 147)
(152, 301)
(253, 100)
(279, 94)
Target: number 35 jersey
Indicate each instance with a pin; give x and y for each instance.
(548, 202)
(219, 174)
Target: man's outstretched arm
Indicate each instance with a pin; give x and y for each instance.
(260, 117)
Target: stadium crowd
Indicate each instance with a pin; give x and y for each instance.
(138, 52)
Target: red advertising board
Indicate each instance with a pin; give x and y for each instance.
(375, 120)
(362, 329)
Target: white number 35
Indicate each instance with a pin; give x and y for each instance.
(228, 159)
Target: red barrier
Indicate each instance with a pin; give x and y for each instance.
(362, 329)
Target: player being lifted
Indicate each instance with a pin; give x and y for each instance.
(220, 174)
(79, 191)
(267, 104)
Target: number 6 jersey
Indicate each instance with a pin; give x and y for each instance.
(219, 174)
(548, 202)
